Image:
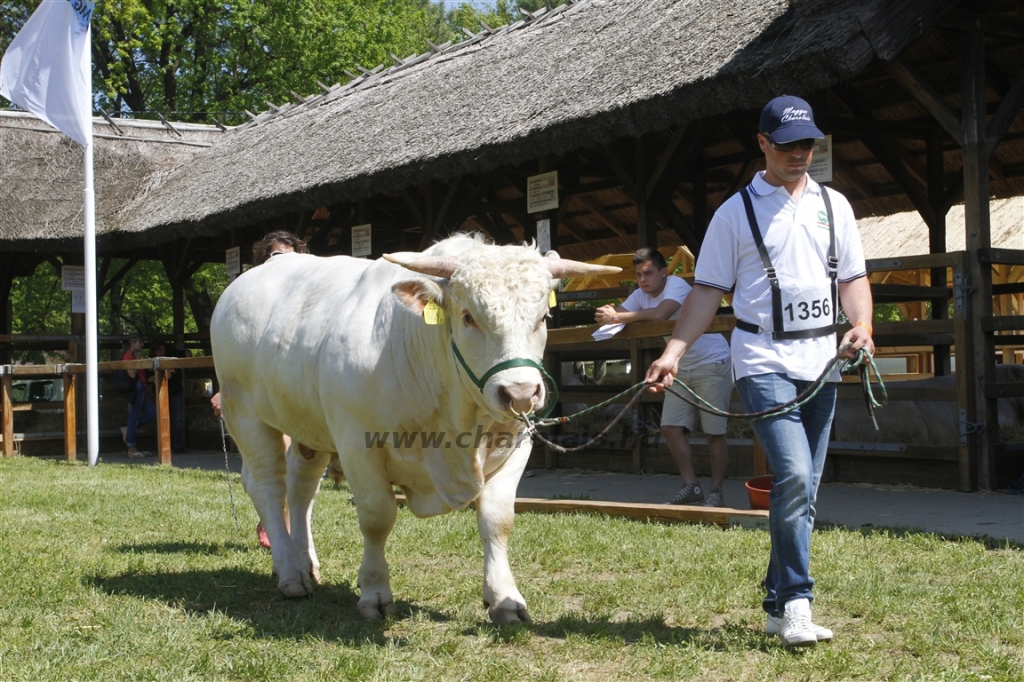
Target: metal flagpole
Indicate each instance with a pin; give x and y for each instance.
(92, 390)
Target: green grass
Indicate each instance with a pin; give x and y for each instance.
(138, 573)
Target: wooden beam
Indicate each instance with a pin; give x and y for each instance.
(601, 214)
(923, 92)
(976, 366)
(898, 170)
(619, 168)
(109, 284)
(1005, 114)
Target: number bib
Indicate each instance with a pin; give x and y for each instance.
(806, 308)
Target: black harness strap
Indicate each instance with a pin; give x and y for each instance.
(778, 326)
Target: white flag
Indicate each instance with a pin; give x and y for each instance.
(46, 67)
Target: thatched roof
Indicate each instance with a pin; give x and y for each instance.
(906, 234)
(592, 71)
(42, 177)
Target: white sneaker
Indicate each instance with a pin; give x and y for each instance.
(774, 627)
(797, 628)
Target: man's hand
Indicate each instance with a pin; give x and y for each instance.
(860, 337)
(215, 404)
(662, 373)
(605, 314)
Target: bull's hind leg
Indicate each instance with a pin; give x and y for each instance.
(265, 481)
(377, 511)
(305, 469)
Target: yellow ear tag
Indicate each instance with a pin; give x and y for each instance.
(552, 299)
(433, 314)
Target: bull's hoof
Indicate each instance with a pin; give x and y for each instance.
(297, 587)
(505, 616)
(314, 574)
(375, 609)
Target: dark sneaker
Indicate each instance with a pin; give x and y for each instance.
(715, 498)
(690, 494)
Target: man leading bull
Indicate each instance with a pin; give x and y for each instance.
(790, 249)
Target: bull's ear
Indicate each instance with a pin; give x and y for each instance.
(416, 293)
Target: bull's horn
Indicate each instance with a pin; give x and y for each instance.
(438, 266)
(572, 268)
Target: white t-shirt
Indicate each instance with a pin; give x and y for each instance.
(797, 239)
(708, 348)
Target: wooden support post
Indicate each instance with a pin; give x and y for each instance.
(636, 358)
(7, 409)
(70, 418)
(976, 361)
(646, 227)
(760, 461)
(163, 414)
(553, 365)
(937, 243)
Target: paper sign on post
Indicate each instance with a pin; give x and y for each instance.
(72, 277)
(544, 235)
(542, 192)
(820, 169)
(361, 241)
(233, 262)
(78, 300)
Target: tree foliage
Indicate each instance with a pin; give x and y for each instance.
(198, 60)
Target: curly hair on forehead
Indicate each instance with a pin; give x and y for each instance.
(262, 249)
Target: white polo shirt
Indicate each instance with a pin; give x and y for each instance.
(709, 348)
(796, 235)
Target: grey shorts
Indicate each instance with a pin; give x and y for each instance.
(713, 383)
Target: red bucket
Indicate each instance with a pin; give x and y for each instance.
(758, 489)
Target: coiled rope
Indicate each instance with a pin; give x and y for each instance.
(862, 361)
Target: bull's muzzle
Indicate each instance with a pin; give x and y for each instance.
(521, 397)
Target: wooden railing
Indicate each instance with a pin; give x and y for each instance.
(73, 376)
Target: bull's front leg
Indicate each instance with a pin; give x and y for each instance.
(495, 512)
(377, 510)
(305, 470)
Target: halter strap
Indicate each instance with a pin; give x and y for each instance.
(501, 366)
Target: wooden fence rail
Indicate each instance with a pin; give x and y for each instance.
(72, 375)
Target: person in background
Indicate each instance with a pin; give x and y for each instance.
(273, 244)
(790, 249)
(705, 369)
(175, 394)
(140, 407)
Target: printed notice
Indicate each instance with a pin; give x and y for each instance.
(361, 241)
(233, 262)
(542, 192)
(821, 161)
(72, 277)
(544, 235)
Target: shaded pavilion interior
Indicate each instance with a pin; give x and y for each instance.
(932, 120)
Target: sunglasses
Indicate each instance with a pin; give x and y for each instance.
(805, 145)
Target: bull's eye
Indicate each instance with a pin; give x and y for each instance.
(542, 323)
(468, 320)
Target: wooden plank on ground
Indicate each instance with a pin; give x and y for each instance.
(661, 513)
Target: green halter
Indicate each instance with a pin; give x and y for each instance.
(507, 364)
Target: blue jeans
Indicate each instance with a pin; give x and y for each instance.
(140, 413)
(795, 445)
(177, 405)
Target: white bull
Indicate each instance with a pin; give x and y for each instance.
(336, 352)
(921, 422)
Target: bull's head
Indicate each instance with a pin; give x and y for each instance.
(496, 302)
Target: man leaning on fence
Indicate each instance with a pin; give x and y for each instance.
(791, 250)
(705, 369)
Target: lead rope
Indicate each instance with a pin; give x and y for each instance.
(863, 361)
(227, 474)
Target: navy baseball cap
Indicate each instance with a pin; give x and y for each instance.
(787, 119)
